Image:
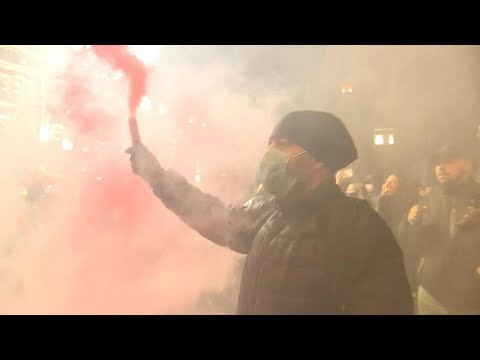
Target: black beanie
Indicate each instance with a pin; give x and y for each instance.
(454, 152)
(322, 134)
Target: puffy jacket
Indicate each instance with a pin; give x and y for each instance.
(329, 254)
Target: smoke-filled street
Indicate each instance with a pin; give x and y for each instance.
(161, 179)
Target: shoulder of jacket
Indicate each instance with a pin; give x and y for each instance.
(357, 223)
(260, 200)
(356, 203)
(353, 209)
(364, 215)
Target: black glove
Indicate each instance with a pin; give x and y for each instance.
(144, 163)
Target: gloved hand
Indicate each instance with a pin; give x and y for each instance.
(144, 163)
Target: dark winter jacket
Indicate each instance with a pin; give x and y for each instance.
(451, 263)
(329, 254)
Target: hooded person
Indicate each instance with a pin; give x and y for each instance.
(310, 248)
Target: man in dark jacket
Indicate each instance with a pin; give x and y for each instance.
(444, 232)
(310, 249)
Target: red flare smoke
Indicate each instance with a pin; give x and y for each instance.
(119, 58)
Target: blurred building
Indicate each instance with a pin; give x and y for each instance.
(22, 94)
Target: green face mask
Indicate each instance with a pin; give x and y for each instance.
(273, 172)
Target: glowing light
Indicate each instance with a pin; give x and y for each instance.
(343, 90)
(77, 47)
(197, 178)
(350, 90)
(67, 144)
(391, 140)
(161, 109)
(117, 75)
(146, 104)
(59, 56)
(204, 125)
(57, 131)
(45, 133)
(191, 119)
(85, 149)
(99, 178)
(378, 139)
(148, 54)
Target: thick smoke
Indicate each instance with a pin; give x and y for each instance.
(105, 244)
(121, 59)
(428, 94)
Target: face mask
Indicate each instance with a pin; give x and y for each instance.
(273, 172)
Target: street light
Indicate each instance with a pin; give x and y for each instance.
(45, 133)
(347, 88)
(378, 139)
(383, 137)
(67, 144)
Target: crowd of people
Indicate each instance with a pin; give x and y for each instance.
(316, 247)
(436, 226)
(319, 240)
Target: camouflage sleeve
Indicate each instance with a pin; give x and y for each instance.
(230, 226)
